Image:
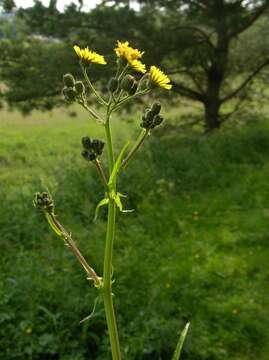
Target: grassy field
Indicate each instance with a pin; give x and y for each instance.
(196, 248)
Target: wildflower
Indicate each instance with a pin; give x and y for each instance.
(123, 50)
(89, 56)
(138, 66)
(158, 78)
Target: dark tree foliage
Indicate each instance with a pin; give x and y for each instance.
(204, 44)
(7, 5)
(198, 40)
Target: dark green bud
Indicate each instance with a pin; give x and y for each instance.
(69, 93)
(133, 89)
(113, 84)
(156, 108)
(158, 120)
(86, 143)
(127, 82)
(98, 146)
(80, 88)
(149, 115)
(88, 155)
(43, 201)
(69, 80)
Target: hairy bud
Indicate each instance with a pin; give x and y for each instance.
(156, 108)
(69, 93)
(127, 82)
(68, 80)
(88, 155)
(133, 89)
(158, 120)
(80, 88)
(150, 119)
(43, 201)
(113, 85)
(92, 148)
(98, 146)
(86, 142)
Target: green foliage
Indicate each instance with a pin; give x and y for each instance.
(32, 72)
(200, 253)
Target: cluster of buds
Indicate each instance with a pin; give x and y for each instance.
(151, 117)
(92, 148)
(43, 201)
(72, 89)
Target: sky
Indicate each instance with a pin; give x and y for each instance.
(60, 3)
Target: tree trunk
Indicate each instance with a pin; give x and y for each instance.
(212, 116)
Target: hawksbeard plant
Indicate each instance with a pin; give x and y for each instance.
(132, 80)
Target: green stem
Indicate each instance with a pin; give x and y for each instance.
(99, 98)
(107, 283)
(139, 142)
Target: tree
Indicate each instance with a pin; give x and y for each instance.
(7, 5)
(200, 37)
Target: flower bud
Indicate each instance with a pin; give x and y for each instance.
(69, 93)
(68, 80)
(133, 89)
(86, 143)
(127, 82)
(88, 155)
(158, 120)
(43, 201)
(156, 108)
(143, 84)
(80, 88)
(149, 115)
(113, 84)
(98, 146)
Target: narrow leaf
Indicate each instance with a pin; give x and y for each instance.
(101, 203)
(117, 199)
(93, 310)
(52, 225)
(117, 164)
(118, 202)
(180, 343)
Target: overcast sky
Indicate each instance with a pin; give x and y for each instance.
(60, 3)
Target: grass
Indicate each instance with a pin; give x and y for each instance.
(195, 248)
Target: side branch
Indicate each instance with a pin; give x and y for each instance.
(250, 20)
(187, 92)
(245, 82)
(199, 31)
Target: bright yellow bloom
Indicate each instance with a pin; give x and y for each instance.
(159, 78)
(89, 56)
(138, 66)
(123, 50)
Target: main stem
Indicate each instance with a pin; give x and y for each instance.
(108, 302)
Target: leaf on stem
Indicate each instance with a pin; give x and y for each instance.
(93, 310)
(180, 343)
(117, 199)
(117, 164)
(101, 203)
(52, 225)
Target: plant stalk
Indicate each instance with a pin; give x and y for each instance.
(107, 283)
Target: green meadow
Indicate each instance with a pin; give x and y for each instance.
(195, 248)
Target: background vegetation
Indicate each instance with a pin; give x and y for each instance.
(196, 247)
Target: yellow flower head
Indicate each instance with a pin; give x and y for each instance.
(138, 66)
(89, 56)
(159, 78)
(123, 50)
